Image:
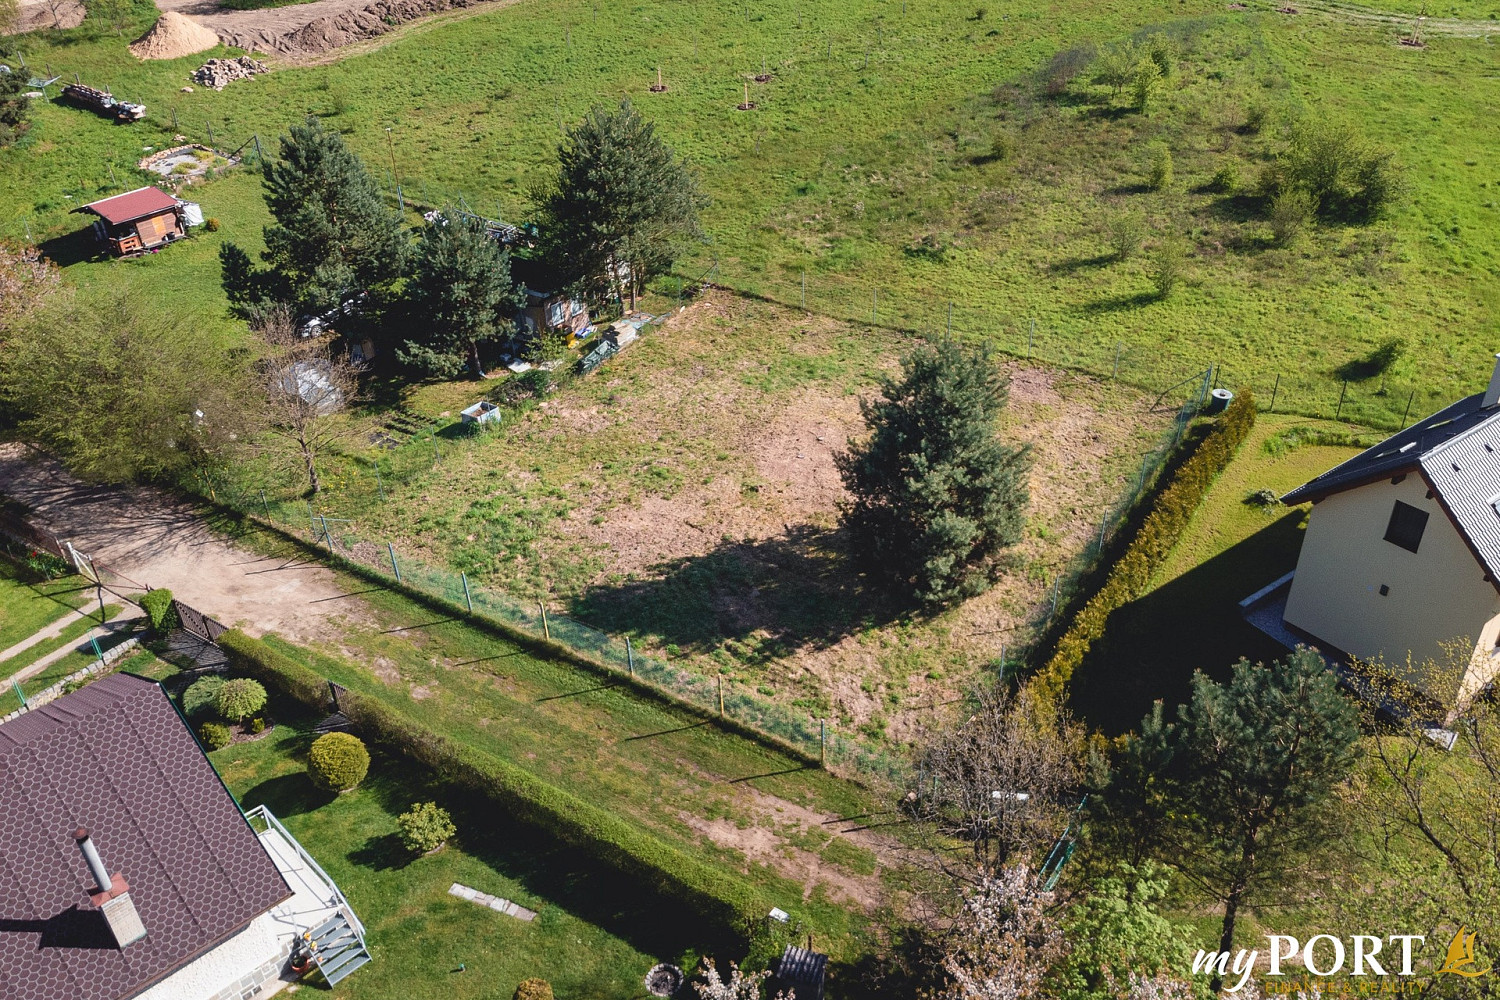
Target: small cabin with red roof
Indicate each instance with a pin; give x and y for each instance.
(138, 220)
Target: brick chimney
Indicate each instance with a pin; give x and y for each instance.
(113, 895)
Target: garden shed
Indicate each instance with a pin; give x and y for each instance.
(140, 220)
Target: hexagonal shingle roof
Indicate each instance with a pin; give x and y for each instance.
(115, 757)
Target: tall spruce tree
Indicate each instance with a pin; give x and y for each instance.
(621, 201)
(1240, 780)
(936, 494)
(333, 234)
(460, 296)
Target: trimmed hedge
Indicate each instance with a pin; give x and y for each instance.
(1148, 550)
(716, 895)
(158, 607)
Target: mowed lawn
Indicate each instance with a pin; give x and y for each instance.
(426, 942)
(27, 606)
(1190, 619)
(904, 157)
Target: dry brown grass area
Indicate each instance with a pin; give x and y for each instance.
(687, 494)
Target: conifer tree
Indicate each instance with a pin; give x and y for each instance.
(621, 201)
(1238, 783)
(936, 494)
(333, 234)
(15, 107)
(461, 295)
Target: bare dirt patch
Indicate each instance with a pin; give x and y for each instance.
(159, 541)
(37, 14)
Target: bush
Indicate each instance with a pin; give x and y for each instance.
(46, 566)
(1255, 118)
(1147, 76)
(533, 989)
(1125, 232)
(1163, 53)
(202, 697)
(1159, 167)
(211, 224)
(1130, 576)
(1226, 180)
(256, 725)
(158, 607)
(1168, 264)
(425, 827)
(1291, 211)
(1344, 175)
(1064, 67)
(718, 896)
(240, 698)
(214, 735)
(338, 762)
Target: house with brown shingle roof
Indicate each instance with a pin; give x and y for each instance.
(129, 872)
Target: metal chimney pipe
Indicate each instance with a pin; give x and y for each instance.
(1492, 394)
(91, 855)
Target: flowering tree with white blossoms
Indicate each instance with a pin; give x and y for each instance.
(1005, 939)
(738, 986)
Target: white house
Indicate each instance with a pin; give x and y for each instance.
(1401, 559)
(128, 872)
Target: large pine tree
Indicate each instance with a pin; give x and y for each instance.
(461, 296)
(621, 200)
(936, 494)
(333, 233)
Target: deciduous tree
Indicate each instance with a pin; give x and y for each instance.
(27, 280)
(461, 296)
(621, 206)
(15, 106)
(1005, 940)
(936, 495)
(305, 383)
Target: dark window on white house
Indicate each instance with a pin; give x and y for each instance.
(1406, 527)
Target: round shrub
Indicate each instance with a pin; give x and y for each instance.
(201, 699)
(425, 827)
(533, 989)
(158, 607)
(255, 726)
(214, 735)
(338, 761)
(241, 697)
(211, 224)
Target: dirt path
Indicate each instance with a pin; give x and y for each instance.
(162, 542)
(310, 32)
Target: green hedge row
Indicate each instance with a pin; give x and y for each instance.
(720, 897)
(1129, 578)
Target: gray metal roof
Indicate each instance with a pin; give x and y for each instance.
(1457, 450)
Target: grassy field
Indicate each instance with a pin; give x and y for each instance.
(419, 935)
(27, 607)
(69, 634)
(870, 165)
(1232, 549)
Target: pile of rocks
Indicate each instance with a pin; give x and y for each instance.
(219, 73)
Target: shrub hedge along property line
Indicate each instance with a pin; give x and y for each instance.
(1169, 517)
(549, 648)
(158, 607)
(717, 895)
(338, 762)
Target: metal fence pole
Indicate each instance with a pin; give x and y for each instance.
(1407, 412)
(1274, 387)
(326, 536)
(629, 657)
(468, 598)
(265, 506)
(1116, 372)
(823, 740)
(391, 549)
(1030, 339)
(379, 484)
(546, 629)
(1340, 409)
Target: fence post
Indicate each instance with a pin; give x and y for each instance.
(1116, 373)
(1274, 386)
(379, 484)
(629, 657)
(546, 628)
(1407, 412)
(1103, 522)
(98, 653)
(1340, 409)
(950, 320)
(823, 741)
(210, 127)
(1030, 339)
(260, 157)
(19, 693)
(804, 288)
(265, 506)
(102, 617)
(468, 599)
(326, 536)
(394, 568)
(1056, 587)
(874, 306)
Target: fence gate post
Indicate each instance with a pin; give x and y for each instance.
(469, 600)
(394, 568)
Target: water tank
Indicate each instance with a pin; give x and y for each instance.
(1218, 400)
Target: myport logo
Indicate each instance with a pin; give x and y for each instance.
(1327, 955)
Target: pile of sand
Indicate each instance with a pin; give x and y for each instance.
(173, 35)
